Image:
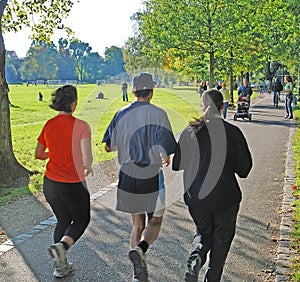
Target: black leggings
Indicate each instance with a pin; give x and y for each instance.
(70, 203)
(215, 232)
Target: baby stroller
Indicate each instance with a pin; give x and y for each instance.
(243, 105)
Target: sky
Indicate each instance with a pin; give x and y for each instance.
(100, 23)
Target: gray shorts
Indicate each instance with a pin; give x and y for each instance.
(136, 195)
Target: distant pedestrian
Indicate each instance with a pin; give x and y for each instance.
(245, 90)
(267, 85)
(226, 97)
(202, 87)
(277, 88)
(211, 152)
(40, 96)
(65, 141)
(261, 88)
(288, 90)
(142, 135)
(124, 88)
(219, 84)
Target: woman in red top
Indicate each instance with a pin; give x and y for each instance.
(65, 142)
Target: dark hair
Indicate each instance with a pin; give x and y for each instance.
(212, 101)
(143, 93)
(63, 98)
(289, 78)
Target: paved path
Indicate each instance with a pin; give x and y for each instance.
(101, 254)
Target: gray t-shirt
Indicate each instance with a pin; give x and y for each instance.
(141, 133)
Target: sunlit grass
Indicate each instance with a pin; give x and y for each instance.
(28, 115)
(296, 230)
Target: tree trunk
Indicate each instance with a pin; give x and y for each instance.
(270, 73)
(231, 88)
(211, 69)
(10, 170)
(231, 76)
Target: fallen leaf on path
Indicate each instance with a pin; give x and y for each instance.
(274, 239)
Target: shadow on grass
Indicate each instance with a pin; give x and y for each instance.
(14, 106)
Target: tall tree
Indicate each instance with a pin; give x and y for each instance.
(190, 26)
(235, 37)
(93, 65)
(40, 62)
(43, 17)
(65, 62)
(12, 68)
(273, 34)
(134, 56)
(114, 63)
(79, 51)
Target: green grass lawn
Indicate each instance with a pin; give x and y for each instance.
(28, 115)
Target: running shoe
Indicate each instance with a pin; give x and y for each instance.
(60, 273)
(193, 267)
(137, 257)
(59, 255)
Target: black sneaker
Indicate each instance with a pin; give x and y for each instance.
(193, 268)
(137, 257)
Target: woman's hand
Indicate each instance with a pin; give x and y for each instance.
(40, 152)
(89, 171)
(87, 156)
(165, 160)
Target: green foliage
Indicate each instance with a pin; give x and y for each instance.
(296, 230)
(42, 16)
(114, 63)
(71, 60)
(230, 37)
(10, 194)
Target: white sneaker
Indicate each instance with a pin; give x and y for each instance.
(59, 254)
(60, 273)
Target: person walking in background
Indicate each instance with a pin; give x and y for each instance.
(211, 152)
(245, 91)
(142, 135)
(40, 96)
(261, 88)
(124, 88)
(288, 90)
(267, 85)
(277, 88)
(65, 142)
(219, 84)
(226, 98)
(202, 87)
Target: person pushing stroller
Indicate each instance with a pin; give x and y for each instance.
(243, 102)
(245, 91)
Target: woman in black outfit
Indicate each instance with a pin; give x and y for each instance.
(211, 151)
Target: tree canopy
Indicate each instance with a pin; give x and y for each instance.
(69, 60)
(222, 36)
(43, 17)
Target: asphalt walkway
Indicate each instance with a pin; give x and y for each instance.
(102, 253)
